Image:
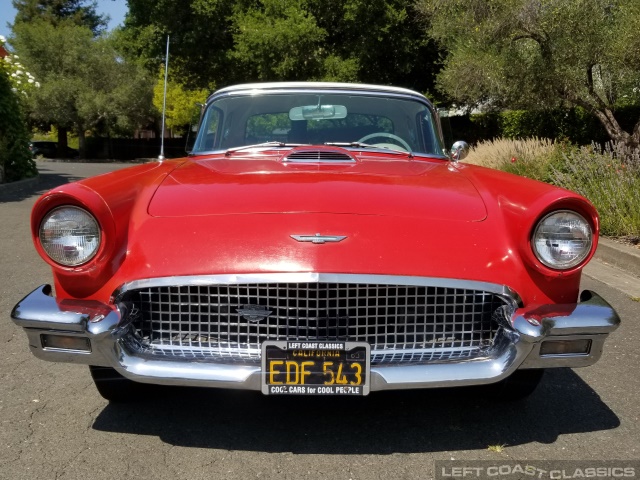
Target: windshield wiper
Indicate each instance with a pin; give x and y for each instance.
(367, 145)
(264, 144)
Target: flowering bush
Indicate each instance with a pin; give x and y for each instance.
(22, 82)
(15, 156)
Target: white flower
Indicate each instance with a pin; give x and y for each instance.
(24, 93)
(18, 82)
(7, 59)
(2, 39)
(37, 84)
(19, 72)
(14, 90)
(30, 80)
(14, 75)
(16, 56)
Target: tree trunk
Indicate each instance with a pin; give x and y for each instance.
(82, 146)
(62, 142)
(610, 123)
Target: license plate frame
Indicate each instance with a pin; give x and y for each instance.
(289, 377)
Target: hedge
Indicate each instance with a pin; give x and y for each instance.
(575, 125)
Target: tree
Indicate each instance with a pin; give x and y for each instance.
(200, 33)
(278, 41)
(383, 39)
(85, 84)
(541, 53)
(232, 41)
(79, 12)
(181, 102)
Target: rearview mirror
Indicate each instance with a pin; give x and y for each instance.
(318, 112)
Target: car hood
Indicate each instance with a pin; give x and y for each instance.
(419, 189)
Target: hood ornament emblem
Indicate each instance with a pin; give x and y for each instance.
(253, 313)
(319, 239)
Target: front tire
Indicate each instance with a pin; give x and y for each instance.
(114, 387)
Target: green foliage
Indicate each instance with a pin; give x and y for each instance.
(278, 42)
(15, 157)
(181, 110)
(572, 124)
(575, 125)
(79, 12)
(524, 54)
(201, 38)
(85, 84)
(234, 41)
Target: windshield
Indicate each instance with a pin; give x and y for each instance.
(346, 119)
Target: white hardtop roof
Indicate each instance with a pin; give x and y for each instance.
(313, 85)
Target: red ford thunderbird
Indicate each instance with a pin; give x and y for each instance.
(318, 240)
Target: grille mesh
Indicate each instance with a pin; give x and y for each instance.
(401, 323)
(318, 155)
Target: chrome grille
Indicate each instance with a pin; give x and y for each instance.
(401, 323)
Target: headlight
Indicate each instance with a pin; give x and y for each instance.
(562, 240)
(69, 235)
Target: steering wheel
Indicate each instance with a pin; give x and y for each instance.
(386, 135)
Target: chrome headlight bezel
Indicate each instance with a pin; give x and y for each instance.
(76, 238)
(562, 233)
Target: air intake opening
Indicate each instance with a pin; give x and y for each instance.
(317, 155)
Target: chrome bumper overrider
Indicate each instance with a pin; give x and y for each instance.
(110, 345)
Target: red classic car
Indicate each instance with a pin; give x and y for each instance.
(318, 240)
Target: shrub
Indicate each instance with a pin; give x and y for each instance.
(610, 178)
(524, 157)
(575, 125)
(15, 156)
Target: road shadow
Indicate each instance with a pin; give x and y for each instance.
(382, 423)
(47, 180)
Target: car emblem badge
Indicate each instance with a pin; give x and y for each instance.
(253, 313)
(317, 238)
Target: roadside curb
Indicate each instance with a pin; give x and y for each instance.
(19, 185)
(618, 255)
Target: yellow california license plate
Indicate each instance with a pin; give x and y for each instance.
(315, 368)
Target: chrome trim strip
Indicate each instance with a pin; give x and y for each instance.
(317, 238)
(509, 295)
(271, 85)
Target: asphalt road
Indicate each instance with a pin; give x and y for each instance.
(54, 425)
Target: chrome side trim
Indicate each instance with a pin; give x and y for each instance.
(509, 295)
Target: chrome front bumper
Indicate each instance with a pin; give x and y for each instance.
(93, 333)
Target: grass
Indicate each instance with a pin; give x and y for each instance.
(496, 448)
(501, 152)
(609, 177)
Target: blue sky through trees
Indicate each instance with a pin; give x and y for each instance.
(116, 9)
